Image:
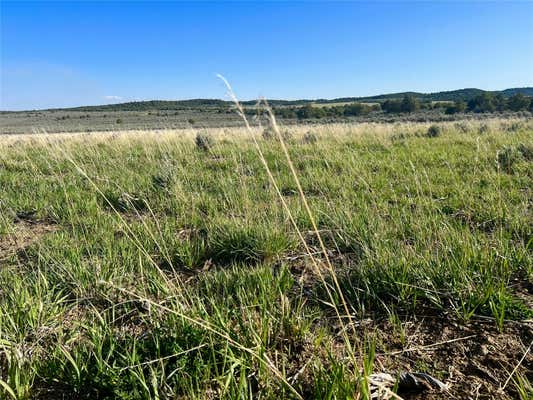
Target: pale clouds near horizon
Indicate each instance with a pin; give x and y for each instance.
(113, 97)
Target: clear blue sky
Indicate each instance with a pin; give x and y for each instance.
(77, 53)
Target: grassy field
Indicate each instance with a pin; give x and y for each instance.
(205, 117)
(142, 265)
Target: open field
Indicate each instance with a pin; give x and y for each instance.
(138, 265)
(204, 117)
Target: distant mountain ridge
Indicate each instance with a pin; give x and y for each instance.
(155, 105)
(451, 95)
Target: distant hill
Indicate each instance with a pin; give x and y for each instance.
(166, 105)
(452, 95)
(526, 91)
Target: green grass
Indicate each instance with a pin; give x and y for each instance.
(176, 273)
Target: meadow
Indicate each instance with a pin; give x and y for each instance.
(226, 263)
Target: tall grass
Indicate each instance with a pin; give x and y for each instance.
(246, 270)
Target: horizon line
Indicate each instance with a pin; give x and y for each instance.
(530, 86)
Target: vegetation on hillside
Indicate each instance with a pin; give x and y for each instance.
(173, 105)
(484, 103)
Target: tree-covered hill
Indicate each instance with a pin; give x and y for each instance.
(452, 95)
(167, 105)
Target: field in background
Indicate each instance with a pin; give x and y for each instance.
(72, 121)
(167, 265)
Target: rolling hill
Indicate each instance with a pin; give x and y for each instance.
(169, 105)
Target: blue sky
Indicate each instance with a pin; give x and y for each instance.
(77, 53)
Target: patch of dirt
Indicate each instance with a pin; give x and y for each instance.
(62, 391)
(473, 359)
(27, 231)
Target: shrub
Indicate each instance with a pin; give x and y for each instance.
(310, 138)
(354, 109)
(392, 106)
(434, 131)
(518, 102)
(287, 135)
(308, 111)
(268, 134)
(203, 141)
(484, 128)
(119, 121)
(285, 112)
(191, 121)
(409, 104)
(485, 102)
(457, 107)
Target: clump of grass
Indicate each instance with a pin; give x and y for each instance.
(514, 126)
(310, 138)
(287, 135)
(268, 134)
(204, 141)
(165, 176)
(434, 131)
(508, 157)
(462, 127)
(247, 244)
(526, 151)
(523, 387)
(162, 181)
(399, 137)
(484, 128)
(124, 201)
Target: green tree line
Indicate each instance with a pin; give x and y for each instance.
(485, 102)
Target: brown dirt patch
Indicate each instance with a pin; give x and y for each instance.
(25, 233)
(474, 359)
